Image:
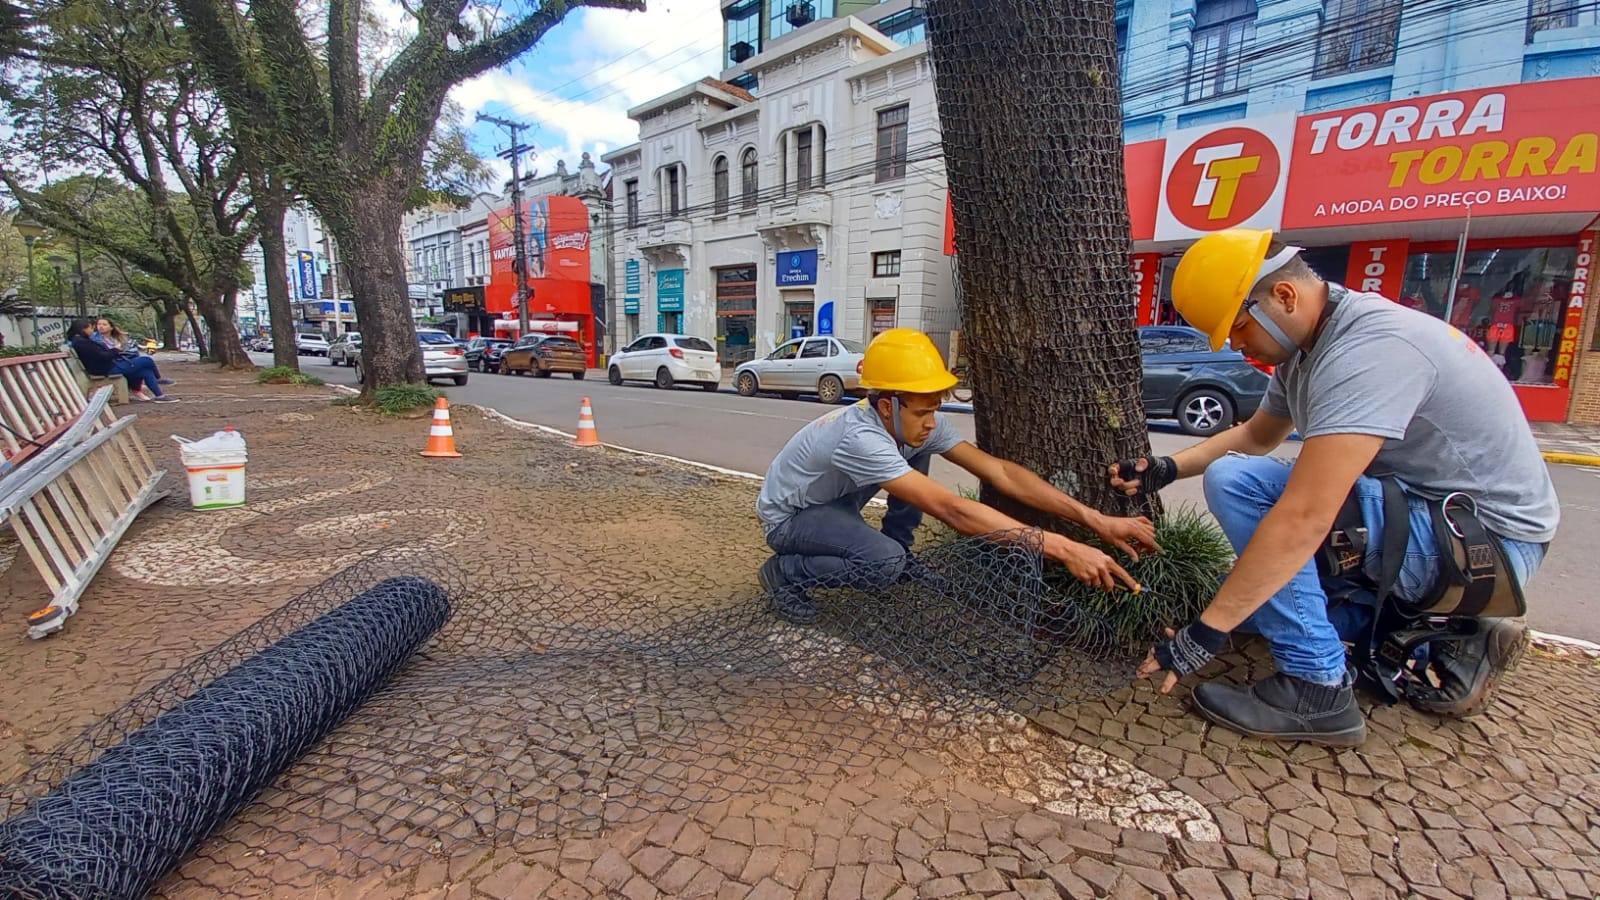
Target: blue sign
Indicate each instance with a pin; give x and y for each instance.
(669, 290)
(825, 318)
(306, 262)
(631, 278)
(796, 331)
(344, 307)
(797, 267)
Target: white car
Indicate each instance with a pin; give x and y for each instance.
(311, 345)
(665, 360)
(442, 357)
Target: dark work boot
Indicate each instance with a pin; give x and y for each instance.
(1467, 671)
(788, 601)
(1286, 708)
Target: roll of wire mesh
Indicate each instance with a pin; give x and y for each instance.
(118, 825)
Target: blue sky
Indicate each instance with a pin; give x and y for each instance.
(576, 86)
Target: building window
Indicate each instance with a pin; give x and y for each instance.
(783, 162)
(1356, 35)
(632, 186)
(906, 27)
(750, 175)
(1222, 29)
(1553, 15)
(787, 15)
(886, 264)
(719, 180)
(802, 160)
(821, 176)
(746, 81)
(674, 186)
(892, 132)
(743, 31)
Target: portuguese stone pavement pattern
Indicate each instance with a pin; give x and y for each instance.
(1128, 796)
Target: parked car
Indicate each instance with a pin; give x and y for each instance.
(345, 349)
(665, 360)
(829, 367)
(1205, 391)
(309, 344)
(483, 353)
(441, 357)
(542, 354)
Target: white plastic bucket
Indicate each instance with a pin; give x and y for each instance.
(215, 466)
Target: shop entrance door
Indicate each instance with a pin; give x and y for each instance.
(736, 314)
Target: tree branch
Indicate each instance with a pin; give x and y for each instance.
(490, 53)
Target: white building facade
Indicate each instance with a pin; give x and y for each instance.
(818, 208)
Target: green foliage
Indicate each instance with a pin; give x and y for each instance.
(285, 375)
(349, 400)
(1178, 582)
(399, 399)
(11, 352)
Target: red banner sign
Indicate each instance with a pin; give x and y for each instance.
(1146, 286)
(1572, 329)
(1517, 149)
(1141, 164)
(1378, 266)
(557, 231)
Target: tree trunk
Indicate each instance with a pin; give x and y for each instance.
(167, 321)
(270, 208)
(367, 232)
(1048, 312)
(200, 344)
(226, 348)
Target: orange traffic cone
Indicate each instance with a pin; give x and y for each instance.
(441, 438)
(587, 436)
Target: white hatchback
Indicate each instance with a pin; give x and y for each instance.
(665, 360)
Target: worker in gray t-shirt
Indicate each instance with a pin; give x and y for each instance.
(810, 504)
(1375, 390)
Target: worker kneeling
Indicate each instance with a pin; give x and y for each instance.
(1417, 508)
(816, 487)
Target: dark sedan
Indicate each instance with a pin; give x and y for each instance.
(483, 353)
(1183, 379)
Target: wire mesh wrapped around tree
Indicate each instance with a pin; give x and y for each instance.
(544, 709)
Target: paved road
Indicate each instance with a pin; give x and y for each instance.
(740, 433)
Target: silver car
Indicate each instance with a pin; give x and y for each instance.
(442, 357)
(827, 366)
(345, 349)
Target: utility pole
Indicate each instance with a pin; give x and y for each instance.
(519, 262)
(333, 280)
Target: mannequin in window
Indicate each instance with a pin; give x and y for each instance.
(1467, 298)
(1505, 311)
(1533, 369)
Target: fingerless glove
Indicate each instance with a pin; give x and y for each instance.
(1191, 648)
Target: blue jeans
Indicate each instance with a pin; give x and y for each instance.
(1305, 636)
(832, 544)
(138, 370)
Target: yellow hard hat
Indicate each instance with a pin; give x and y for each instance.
(905, 360)
(1215, 275)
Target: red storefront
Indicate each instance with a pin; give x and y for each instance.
(557, 230)
(1392, 197)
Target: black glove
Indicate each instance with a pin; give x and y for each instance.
(1191, 648)
(1159, 472)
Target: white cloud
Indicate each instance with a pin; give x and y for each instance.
(578, 84)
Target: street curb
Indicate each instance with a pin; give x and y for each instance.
(1564, 644)
(1571, 459)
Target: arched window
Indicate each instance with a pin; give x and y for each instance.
(719, 180)
(749, 177)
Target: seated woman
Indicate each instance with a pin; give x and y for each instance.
(106, 332)
(100, 360)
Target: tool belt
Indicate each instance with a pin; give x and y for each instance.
(1474, 581)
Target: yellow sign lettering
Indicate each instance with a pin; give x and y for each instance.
(1532, 157)
(1227, 173)
(1402, 161)
(1579, 155)
(1483, 160)
(1440, 165)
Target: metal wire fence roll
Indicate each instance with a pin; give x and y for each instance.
(121, 822)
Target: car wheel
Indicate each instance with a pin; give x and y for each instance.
(361, 377)
(709, 386)
(614, 375)
(746, 384)
(542, 373)
(664, 379)
(578, 376)
(1205, 412)
(460, 380)
(830, 389)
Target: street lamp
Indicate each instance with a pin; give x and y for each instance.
(57, 261)
(30, 231)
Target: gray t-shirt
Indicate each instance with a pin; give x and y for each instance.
(837, 455)
(1450, 418)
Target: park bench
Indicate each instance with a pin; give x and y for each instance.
(73, 479)
(87, 383)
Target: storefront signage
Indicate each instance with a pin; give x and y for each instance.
(1572, 328)
(1141, 164)
(669, 290)
(1378, 267)
(825, 318)
(1517, 149)
(797, 267)
(1146, 286)
(631, 281)
(464, 299)
(1227, 176)
(309, 288)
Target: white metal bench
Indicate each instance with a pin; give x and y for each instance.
(74, 478)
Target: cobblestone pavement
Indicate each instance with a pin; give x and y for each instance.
(1574, 440)
(1127, 796)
